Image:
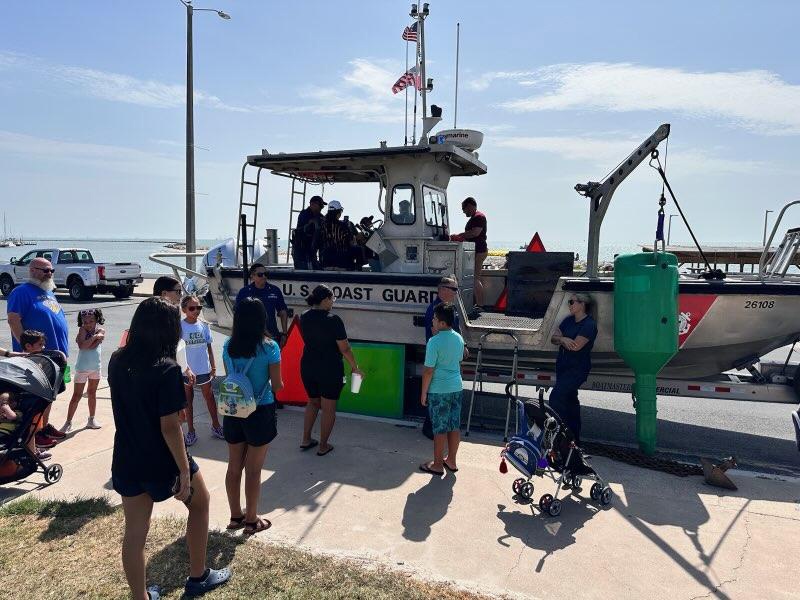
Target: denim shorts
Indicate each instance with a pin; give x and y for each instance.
(445, 411)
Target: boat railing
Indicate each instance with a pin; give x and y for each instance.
(783, 257)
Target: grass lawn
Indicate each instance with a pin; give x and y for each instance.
(71, 549)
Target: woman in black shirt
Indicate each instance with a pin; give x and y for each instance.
(150, 462)
(321, 366)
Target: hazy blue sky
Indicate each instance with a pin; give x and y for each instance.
(92, 103)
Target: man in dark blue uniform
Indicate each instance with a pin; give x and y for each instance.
(272, 299)
(305, 240)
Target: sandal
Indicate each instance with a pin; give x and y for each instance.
(324, 452)
(449, 468)
(426, 467)
(256, 527)
(311, 444)
(236, 523)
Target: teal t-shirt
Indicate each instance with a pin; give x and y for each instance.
(267, 354)
(444, 353)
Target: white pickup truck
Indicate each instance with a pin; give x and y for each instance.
(76, 271)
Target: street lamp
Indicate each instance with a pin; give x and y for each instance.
(669, 227)
(191, 242)
(766, 216)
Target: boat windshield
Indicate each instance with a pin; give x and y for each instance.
(403, 210)
(435, 203)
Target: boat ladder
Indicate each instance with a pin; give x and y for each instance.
(481, 370)
(784, 257)
(248, 207)
(297, 195)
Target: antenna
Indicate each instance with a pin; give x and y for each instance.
(458, 39)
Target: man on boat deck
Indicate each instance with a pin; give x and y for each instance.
(306, 235)
(475, 231)
(336, 244)
(271, 297)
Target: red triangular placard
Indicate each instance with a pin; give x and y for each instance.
(293, 392)
(535, 244)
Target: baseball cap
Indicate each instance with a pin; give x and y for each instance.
(318, 200)
(335, 205)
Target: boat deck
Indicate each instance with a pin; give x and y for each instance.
(492, 320)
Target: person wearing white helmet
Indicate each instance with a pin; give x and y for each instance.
(337, 240)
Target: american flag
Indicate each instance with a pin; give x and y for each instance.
(410, 33)
(410, 77)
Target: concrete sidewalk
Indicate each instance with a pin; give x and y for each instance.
(661, 537)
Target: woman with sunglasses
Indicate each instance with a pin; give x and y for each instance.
(575, 339)
(150, 462)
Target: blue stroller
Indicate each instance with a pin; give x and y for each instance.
(543, 446)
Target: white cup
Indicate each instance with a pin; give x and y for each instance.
(355, 382)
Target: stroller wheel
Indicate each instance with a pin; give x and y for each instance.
(544, 502)
(526, 490)
(606, 495)
(53, 473)
(517, 484)
(554, 508)
(596, 492)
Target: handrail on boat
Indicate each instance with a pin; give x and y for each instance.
(764, 255)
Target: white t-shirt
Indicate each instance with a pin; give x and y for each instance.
(197, 337)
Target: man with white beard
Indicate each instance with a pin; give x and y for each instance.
(33, 305)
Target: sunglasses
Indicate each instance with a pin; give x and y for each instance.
(194, 308)
(573, 301)
(261, 274)
(451, 288)
(45, 270)
(176, 290)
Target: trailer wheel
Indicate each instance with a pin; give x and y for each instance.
(6, 285)
(121, 293)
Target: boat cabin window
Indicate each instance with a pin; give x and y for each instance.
(435, 203)
(403, 212)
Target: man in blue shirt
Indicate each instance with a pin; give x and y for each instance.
(33, 305)
(446, 294)
(271, 297)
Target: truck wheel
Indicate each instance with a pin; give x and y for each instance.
(6, 285)
(78, 291)
(121, 293)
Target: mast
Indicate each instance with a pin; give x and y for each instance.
(458, 40)
(423, 81)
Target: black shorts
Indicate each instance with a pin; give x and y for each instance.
(258, 429)
(157, 490)
(322, 383)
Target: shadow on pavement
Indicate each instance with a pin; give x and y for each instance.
(427, 506)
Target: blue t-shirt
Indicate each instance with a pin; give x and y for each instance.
(272, 299)
(40, 311)
(571, 365)
(267, 354)
(429, 319)
(444, 353)
(197, 336)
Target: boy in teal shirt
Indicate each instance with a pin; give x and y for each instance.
(442, 389)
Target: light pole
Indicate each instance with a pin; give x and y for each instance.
(766, 216)
(191, 242)
(669, 227)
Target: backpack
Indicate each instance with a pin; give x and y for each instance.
(236, 397)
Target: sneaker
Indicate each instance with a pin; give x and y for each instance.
(93, 423)
(54, 433)
(43, 456)
(154, 592)
(217, 432)
(66, 427)
(189, 438)
(44, 441)
(213, 579)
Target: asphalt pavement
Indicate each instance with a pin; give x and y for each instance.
(760, 435)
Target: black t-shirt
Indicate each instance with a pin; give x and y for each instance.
(139, 399)
(478, 220)
(321, 330)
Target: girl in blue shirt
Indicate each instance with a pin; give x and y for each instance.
(248, 438)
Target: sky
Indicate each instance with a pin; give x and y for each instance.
(92, 110)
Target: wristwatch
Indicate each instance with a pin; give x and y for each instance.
(7, 354)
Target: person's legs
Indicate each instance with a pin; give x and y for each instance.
(575, 415)
(233, 477)
(253, 463)
(454, 433)
(326, 426)
(211, 404)
(137, 511)
(197, 526)
(310, 417)
(188, 391)
(77, 393)
(439, 441)
(93, 384)
(479, 259)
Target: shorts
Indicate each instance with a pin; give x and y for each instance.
(258, 429)
(157, 490)
(445, 411)
(320, 383)
(199, 379)
(84, 376)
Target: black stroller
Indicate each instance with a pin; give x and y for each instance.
(544, 446)
(34, 381)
